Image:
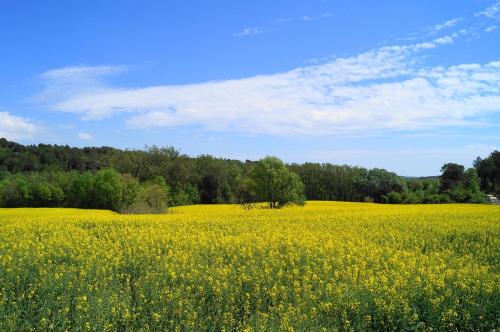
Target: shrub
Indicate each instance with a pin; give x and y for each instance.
(394, 197)
(152, 199)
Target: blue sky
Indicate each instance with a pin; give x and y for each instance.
(403, 85)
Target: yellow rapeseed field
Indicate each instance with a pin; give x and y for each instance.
(326, 266)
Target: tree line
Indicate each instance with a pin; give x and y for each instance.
(150, 180)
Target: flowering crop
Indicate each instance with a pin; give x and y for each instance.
(332, 266)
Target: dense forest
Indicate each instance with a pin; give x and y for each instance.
(151, 179)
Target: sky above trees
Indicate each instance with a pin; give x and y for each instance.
(406, 86)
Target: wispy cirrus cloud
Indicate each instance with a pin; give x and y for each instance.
(252, 31)
(304, 18)
(445, 25)
(15, 127)
(257, 30)
(491, 28)
(75, 80)
(492, 12)
(84, 136)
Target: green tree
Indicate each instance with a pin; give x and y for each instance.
(246, 195)
(188, 194)
(15, 192)
(80, 190)
(488, 170)
(108, 190)
(276, 184)
(153, 197)
(471, 180)
(47, 194)
(131, 187)
(452, 175)
(394, 197)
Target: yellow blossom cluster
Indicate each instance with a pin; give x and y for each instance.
(326, 266)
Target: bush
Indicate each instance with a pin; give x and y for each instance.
(394, 197)
(189, 194)
(368, 199)
(478, 198)
(47, 194)
(152, 199)
(416, 197)
(432, 199)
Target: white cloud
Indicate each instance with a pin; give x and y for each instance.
(382, 89)
(66, 126)
(15, 127)
(484, 149)
(252, 31)
(444, 40)
(84, 136)
(445, 25)
(76, 80)
(81, 73)
(491, 12)
(305, 18)
(491, 28)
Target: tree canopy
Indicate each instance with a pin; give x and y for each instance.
(276, 184)
(488, 170)
(104, 177)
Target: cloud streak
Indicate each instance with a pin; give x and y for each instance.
(252, 31)
(492, 12)
(84, 136)
(445, 25)
(304, 18)
(69, 82)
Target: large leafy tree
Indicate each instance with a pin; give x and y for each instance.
(488, 170)
(108, 189)
(452, 175)
(276, 184)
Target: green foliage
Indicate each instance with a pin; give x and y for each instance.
(471, 180)
(246, 193)
(368, 199)
(452, 174)
(15, 192)
(186, 195)
(377, 182)
(80, 190)
(276, 184)
(50, 175)
(394, 197)
(413, 197)
(131, 187)
(151, 198)
(329, 182)
(488, 170)
(432, 199)
(108, 190)
(47, 194)
(459, 185)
